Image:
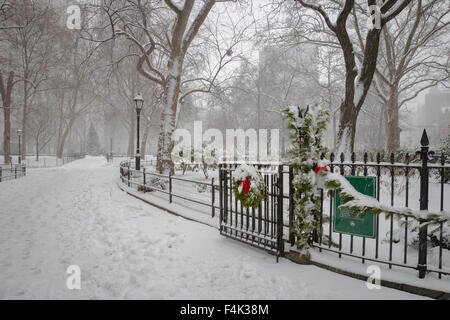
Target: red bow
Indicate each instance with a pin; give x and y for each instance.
(324, 168)
(245, 185)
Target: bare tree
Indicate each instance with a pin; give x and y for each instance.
(32, 44)
(6, 93)
(415, 58)
(41, 123)
(144, 23)
(358, 77)
(76, 93)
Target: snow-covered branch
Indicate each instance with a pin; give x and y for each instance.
(195, 26)
(177, 7)
(320, 10)
(395, 7)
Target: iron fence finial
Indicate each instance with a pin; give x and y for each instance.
(424, 140)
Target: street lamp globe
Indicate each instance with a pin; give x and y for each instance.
(139, 102)
(19, 132)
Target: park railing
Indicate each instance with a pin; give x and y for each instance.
(12, 171)
(398, 241)
(417, 180)
(146, 180)
(46, 160)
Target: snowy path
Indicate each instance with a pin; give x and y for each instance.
(76, 215)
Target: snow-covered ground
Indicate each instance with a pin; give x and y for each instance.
(76, 215)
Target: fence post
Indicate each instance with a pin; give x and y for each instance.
(143, 170)
(15, 172)
(0, 174)
(170, 186)
(220, 197)
(422, 263)
(291, 207)
(280, 212)
(128, 174)
(213, 196)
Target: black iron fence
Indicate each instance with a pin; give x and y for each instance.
(414, 181)
(394, 243)
(12, 171)
(261, 226)
(45, 160)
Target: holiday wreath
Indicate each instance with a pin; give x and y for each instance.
(248, 186)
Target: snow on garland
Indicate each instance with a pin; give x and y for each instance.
(305, 155)
(311, 174)
(248, 186)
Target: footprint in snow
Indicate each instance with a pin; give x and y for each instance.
(173, 234)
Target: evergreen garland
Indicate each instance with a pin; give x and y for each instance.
(306, 130)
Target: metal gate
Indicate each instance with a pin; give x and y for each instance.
(262, 226)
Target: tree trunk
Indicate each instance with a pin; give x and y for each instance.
(6, 99)
(145, 138)
(24, 120)
(347, 128)
(7, 134)
(392, 123)
(357, 83)
(381, 134)
(60, 150)
(37, 149)
(168, 116)
(131, 134)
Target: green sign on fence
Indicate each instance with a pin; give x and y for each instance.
(346, 220)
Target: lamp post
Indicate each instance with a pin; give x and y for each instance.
(19, 133)
(139, 103)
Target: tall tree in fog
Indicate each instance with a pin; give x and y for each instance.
(6, 87)
(31, 44)
(414, 57)
(169, 29)
(78, 80)
(359, 76)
